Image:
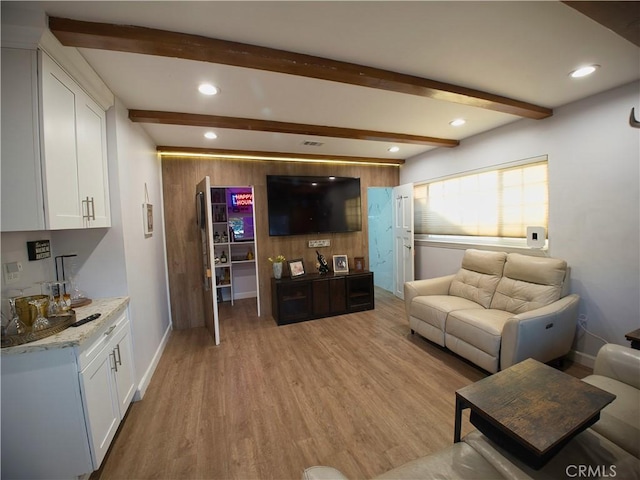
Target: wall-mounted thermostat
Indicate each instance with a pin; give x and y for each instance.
(12, 271)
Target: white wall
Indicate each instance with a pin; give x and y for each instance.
(144, 256)
(594, 194)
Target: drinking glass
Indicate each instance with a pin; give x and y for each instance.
(15, 326)
(46, 288)
(41, 322)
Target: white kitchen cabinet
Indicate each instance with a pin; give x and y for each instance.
(64, 397)
(69, 186)
(108, 386)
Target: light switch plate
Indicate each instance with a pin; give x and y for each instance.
(319, 243)
(536, 237)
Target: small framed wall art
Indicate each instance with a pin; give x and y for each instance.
(147, 219)
(296, 268)
(147, 214)
(340, 264)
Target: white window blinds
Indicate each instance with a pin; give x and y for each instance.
(497, 203)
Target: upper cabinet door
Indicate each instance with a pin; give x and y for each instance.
(22, 202)
(60, 157)
(93, 177)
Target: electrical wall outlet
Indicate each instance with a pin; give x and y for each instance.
(582, 321)
(319, 243)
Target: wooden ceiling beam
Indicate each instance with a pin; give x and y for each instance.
(150, 41)
(622, 18)
(169, 151)
(217, 121)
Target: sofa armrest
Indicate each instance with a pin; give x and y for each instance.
(320, 472)
(620, 363)
(544, 334)
(429, 286)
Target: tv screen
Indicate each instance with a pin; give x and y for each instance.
(301, 205)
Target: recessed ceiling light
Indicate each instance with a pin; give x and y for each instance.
(394, 149)
(584, 71)
(457, 122)
(207, 89)
(211, 135)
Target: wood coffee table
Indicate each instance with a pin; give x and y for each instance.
(634, 338)
(531, 410)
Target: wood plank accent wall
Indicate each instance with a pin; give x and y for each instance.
(179, 178)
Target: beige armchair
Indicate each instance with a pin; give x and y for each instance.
(497, 310)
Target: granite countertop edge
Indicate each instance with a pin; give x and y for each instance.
(75, 336)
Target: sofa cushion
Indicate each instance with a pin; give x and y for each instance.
(587, 452)
(529, 283)
(620, 420)
(480, 328)
(434, 309)
(478, 277)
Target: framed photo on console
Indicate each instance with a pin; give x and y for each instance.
(358, 264)
(340, 264)
(296, 268)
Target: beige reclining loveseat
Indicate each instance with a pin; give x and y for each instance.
(497, 310)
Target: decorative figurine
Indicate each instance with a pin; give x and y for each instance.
(323, 266)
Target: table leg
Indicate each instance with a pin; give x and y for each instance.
(458, 423)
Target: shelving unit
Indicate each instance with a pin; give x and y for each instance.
(234, 243)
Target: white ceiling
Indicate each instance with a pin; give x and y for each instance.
(521, 50)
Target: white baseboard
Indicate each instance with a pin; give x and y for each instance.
(146, 379)
(582, 358)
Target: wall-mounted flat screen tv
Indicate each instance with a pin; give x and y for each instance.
(300, 205)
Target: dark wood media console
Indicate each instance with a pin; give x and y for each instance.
(316, 296)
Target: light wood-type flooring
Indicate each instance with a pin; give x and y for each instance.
(357, 392)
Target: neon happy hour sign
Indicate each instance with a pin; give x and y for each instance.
(241, 199)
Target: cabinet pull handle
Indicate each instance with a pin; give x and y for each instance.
(119, 356)
(115, 365)
(93, 209)
(108, 332)
(85, 202)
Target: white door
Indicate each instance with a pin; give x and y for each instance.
(403, 248)
(204, 218)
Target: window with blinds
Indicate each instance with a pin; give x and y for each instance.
(499, 203)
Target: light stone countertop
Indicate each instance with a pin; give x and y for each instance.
(109, 308)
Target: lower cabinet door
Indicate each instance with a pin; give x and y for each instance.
(100, 403)
(124, 371)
